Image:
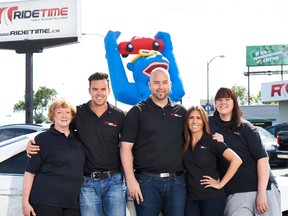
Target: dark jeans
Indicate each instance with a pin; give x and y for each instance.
(43, 210)
(206, 207)
(166, 195)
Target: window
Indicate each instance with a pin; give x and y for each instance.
(271, 130)
(6, 134)
(15, 164)
(22, 131)
(9, 133)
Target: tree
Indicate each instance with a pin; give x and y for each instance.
(256, 99)
(41, 99)
(242, 95)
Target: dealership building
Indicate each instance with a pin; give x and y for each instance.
(266, 115)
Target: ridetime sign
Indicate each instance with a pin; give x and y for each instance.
(34, 20)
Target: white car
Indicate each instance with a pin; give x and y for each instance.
(13, 161)
(13, 130)
(283, 186)
(12, 165)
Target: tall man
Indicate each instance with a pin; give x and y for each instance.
(151, 151)
(98, 124)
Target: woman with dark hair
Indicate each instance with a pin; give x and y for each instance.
(205, 194)
(253, 189)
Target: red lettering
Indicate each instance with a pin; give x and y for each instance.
(276, 89)
(13, 13)
(64, 11)
(54, 12)
(43, 12)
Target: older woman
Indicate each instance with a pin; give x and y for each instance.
(53, 176)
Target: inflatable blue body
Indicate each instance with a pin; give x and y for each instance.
(149, 54)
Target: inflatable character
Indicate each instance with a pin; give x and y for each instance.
(149, 53)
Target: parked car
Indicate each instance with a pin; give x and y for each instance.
(282, 182)
(274, 129)
(282, 140)
(13, 160)
(14, 130)
(276, 156)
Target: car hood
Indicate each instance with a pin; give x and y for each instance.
(268, 143)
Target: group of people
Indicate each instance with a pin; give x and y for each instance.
(175, 160)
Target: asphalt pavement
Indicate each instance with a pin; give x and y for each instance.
(281, 171)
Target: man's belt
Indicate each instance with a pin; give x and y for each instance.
(160, 175)
(102, 175)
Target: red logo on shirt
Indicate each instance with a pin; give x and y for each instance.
(176, 115)
(110, 124)
(235, 132)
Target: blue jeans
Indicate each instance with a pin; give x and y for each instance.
(166, 195)
(107, 196)
(206, 207)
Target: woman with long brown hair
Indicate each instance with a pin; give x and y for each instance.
(205, 194)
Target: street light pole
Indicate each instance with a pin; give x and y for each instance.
(208, 63)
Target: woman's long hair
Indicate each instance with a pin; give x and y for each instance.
(187, 132)
(237, 113)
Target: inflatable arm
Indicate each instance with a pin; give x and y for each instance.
(177, 91)
(121, 86)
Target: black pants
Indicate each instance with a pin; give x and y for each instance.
(43, 210)
(207, 207)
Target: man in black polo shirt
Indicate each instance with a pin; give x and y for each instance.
(151, 151)
(98, 125)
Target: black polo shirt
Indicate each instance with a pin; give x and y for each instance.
(246, 142)
(59, 169)
(100, 137)
(203, 161)
(157, 134)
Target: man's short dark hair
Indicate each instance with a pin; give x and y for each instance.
(98, 76)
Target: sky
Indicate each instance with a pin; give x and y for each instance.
(200, 30)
